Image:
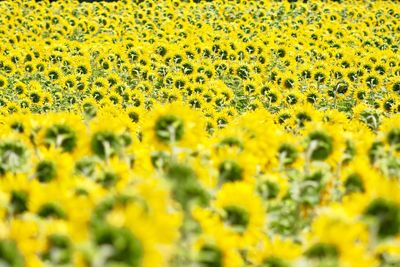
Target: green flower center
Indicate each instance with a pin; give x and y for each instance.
(231, 142)
(105, 144)
(89, 110)
(46, 171)
(230, 171)
(386, 215)
(18, 202)
(61, 136)
(169, 129)
(108, 179)
(287, 153)
(160, 160)
(51, 210)
(13, 156)
(53, 75)
(321, 146)
(59, 250)
(268, 190)
(236, 217)
(354, 183)
(210, 256)
(18, 127)
(85, 166)
(393, 138)
(274, 262)
(35, 97)
(322, 251)
(125, 250)
(134, 117)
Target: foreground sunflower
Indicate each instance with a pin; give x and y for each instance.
(199, 133)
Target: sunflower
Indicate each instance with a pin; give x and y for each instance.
(136, 114)
(275, 251)
(195, 101)
(289, 81)
(113, 79)
(378, 207)
(52, 205)
(369, 116)
(3, 83)
(215, 250)
(54, 74)
(83, 67)
(355, 177)
(303, 114)
(100, 83)
(325, 245)
(231, 167)
(388, 103)
(61, 131)
(139, 220)
(88, 108)
(68, 82)
(23, 249)
(172, 125)
(107, 141)
(20, 88)
(241, 219)
(312, 95)
(46, 169)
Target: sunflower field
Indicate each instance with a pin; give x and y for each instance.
(226, 133)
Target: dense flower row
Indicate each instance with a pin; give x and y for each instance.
(197, 133)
